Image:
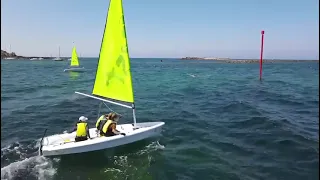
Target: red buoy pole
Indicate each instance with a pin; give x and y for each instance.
(261, 53)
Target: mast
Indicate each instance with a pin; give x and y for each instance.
(261, 53)
(119, 63)
(134, 115)
(125, 32)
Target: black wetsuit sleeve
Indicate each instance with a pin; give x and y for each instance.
(87, 129)
(73, 129)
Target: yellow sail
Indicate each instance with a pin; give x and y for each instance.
(113, 76)
(74, 57)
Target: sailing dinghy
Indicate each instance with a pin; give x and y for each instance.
(74, 63)
(112, 82)
(58, 58)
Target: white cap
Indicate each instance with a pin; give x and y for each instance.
(82, 118)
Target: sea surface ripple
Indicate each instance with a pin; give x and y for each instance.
(221, 121)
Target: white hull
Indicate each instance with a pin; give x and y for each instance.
(76, 69)
(58, 144)
(58, 59)
(35, 59)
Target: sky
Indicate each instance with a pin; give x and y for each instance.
(166, 28)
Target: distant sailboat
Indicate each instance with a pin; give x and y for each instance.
(10, 58)
(36, 59)
(74, 64)
(113, 83)
(58, 58)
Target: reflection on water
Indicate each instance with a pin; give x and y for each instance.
(74, 75)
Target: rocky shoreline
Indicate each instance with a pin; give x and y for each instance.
(228, 60)
(6, 55)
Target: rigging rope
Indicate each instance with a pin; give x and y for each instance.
(108, 108)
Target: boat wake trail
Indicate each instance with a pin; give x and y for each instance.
(130, 165)
(154, 146)
(20, 160)
(26, 164)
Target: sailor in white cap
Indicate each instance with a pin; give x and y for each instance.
(82, 129)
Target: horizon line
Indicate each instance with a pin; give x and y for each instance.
(212, 59)
(172, 57)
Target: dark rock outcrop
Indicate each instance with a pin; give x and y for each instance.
(5, 54)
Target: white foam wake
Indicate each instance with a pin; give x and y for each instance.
(25, 162)
(38, 166)
(154, 146)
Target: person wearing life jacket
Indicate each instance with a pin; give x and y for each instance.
(102, 119)
(82, 129)
(107, 125)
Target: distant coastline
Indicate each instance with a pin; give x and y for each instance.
(228, 60)
(12, 56)
(205, 58)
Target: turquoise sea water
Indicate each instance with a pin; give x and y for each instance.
(221, 121)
